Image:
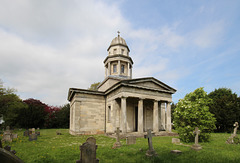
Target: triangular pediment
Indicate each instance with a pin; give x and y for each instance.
(151, 83)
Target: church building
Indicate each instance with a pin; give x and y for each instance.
(133, 105)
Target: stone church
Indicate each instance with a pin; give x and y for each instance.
(134, 105)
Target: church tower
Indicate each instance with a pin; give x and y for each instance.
(118, 63)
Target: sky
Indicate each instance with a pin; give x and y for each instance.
(47, 47)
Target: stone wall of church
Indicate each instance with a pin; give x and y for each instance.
(87, 114)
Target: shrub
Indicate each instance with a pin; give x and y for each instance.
(193, 111)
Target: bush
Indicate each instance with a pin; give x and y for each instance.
(193, 111)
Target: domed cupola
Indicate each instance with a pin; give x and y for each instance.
(118, 63)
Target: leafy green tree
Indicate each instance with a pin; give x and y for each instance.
(11, 106)
(226, 108)
(94, 86)
(193, 111)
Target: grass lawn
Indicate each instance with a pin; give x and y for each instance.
(65, 148)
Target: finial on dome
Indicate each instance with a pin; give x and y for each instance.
(118, 33)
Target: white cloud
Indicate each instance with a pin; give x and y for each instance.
(209, 36)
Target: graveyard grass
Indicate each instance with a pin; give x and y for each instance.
(51, 147)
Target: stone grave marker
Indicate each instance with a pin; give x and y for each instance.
(14, 136)
(33, 135)
(88, 151)
(26, 133)
(175, 141)
(176, 151)
(196, 146)
(117, 143)
(33, 130)
(58, 133)
(130, 140)
(7, 135)
(8, 157)
(150, 152)
(234, 135)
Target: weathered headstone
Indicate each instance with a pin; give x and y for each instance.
(117, 143)
(32, 137)
(150, 152)
(33, 130)
(7, 135)
(58, 133)
(8, 148)
(175, 140)
(88, 151)
(130, 140)
(8, 157)
(176, 151)
(234, 135)
(196, 146)
(14, 136)
(26, 133)
(38, 133)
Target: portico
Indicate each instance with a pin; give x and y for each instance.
(138, 112)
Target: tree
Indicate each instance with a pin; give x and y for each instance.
(35, 114)
(226, 108)
(193, 111)
(11, 106)
(94, 86)
(63, 116)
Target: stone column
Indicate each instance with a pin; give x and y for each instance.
(119, 67)
(163, 114)
(105, 71)
(109, 68)
(114, 118)
(168, 125)
(155, 116)
(124, 114)
(140, 115)
(131, 73)
(128, 70)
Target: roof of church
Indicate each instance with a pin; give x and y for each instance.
(134, 83)
(118, 41)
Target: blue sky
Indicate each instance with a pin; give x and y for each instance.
(49, 46)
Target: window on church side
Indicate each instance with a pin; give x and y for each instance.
(122, 69)
(122, 51)
(114, 51)
(109, 113)
(114, 68)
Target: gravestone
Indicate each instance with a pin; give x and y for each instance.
(234, 136)
(26, 133)
(30, 131)
(33, 130)
(7, 135)
(130, 140)
(8, 148)
(176, 151)
(150, 152)
(8, 157)
(58, 133)
(38, 133)
(117, 144)
(88, 151)
(175, 140)
(14, 136)
(196, 146)
(33, 135)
